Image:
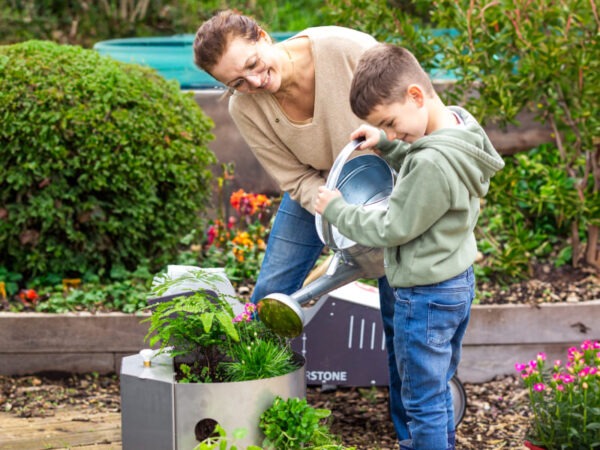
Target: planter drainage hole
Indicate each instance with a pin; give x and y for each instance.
(205, 429)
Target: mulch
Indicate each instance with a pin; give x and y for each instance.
(496, 416)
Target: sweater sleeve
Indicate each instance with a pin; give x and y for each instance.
(418, 200)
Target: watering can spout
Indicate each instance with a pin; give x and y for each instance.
(283, 313)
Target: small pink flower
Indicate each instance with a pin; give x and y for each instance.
(541, 356)
(249, 308)
(539, 387)
(560, 387)
(519, 367)
(566, 378)
(533, 364)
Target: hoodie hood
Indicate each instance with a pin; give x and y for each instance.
(468, 150)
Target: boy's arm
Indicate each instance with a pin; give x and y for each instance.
(417, 202)
(393, 152)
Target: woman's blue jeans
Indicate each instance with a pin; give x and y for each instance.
(292, 250)
(430, 323)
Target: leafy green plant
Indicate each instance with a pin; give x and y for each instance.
(84, 23)
(539, 57)
(201, 331)
(104, 164)
(565, 399)
(526, 215)
(294, 424)
(11, 280)
(220, 441)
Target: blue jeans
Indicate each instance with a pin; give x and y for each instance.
(293, 248)
(430, 323)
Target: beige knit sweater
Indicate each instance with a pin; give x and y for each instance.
(299, 156)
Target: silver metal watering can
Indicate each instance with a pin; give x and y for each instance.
(364, 180)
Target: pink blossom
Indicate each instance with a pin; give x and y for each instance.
(519, 367)
(211, 233)
(566, 378)
(539, 387)
(533, 364)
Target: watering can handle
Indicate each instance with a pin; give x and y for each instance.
(324, 228)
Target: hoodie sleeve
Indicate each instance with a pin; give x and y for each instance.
(394, 151)
(418, 200)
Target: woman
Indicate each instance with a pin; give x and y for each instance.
(290, 102)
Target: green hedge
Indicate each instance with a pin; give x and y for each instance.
(103, 163)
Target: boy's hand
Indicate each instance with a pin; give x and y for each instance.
(324, 197)
(370, 133)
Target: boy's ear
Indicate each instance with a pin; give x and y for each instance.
(415, 93)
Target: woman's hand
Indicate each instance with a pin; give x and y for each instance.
(370, 133)
(324, 197)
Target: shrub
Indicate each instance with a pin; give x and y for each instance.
(103, 163)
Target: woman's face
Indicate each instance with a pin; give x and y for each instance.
(249, 67)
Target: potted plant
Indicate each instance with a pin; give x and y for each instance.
(564, 399)
(213, 368)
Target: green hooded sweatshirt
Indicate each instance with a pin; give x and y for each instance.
(427, 228)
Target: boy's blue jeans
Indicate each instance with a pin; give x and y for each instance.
(292, 250)
(430, 323)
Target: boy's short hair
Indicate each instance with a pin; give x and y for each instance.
(383, 75)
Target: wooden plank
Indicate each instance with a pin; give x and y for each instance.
(30, 363)
(482, 363)
(523, 324)
(63, 430)
(77, 332)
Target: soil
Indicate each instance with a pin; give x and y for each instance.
(496, 414)
(546, 284)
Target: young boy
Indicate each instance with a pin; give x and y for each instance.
(444, 161)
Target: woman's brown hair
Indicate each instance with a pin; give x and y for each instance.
(214, 35)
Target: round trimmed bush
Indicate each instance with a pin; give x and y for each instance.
(102, 163)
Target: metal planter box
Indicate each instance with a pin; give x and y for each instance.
(157, 413)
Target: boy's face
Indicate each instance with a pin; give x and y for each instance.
(405, 120)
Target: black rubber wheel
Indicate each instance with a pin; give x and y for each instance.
(459, 399)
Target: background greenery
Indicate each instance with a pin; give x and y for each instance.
(520, 55)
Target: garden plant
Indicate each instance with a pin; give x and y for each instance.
(207, 341)
(288, 424)
(564, 399)
(105, 164)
